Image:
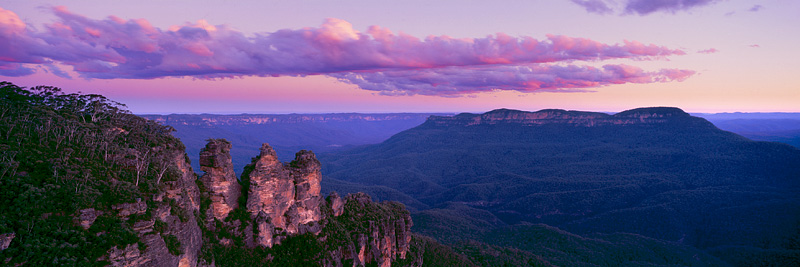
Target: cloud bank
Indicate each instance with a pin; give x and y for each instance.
(378, 59)
(455, 81)
(641, 7)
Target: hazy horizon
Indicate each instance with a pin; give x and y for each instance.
(451, 112)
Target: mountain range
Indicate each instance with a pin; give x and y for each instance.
(656, 173)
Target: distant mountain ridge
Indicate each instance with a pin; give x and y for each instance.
(317, 132)
(774, 127)
(249, 119)
(559, 116)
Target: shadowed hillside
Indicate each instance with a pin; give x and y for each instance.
(655, 172)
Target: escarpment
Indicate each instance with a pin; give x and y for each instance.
(639, 116)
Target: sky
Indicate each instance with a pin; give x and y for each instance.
(199, 56)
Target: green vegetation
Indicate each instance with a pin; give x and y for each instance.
(173, 245)
(61, 153)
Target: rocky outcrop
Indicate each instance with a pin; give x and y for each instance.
(128, 209)
(284, 198)
(656, 115)
(5, 240)
(219, 179)
(336, 203)
(86, 217)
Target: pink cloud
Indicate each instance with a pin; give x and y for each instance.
(708, 51)
(134, 49)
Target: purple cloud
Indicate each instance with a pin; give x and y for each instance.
(133, 49)
(456, 81)
(755, 8)
(15, 70)
(642, 7)
(594, 6)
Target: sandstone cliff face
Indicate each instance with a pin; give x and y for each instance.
(174, 211)
(219, 178)
(336, 203)
(284, 198)
(378, 233)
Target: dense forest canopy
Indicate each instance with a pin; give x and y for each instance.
(62, 153)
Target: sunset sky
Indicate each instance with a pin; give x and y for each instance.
(197, 56)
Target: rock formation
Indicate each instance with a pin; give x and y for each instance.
(336, 203)
(219, 178)
(284, 198)
(283, 201)
(87, 217)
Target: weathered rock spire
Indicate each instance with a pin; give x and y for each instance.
(284, 198)
(219, 178)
